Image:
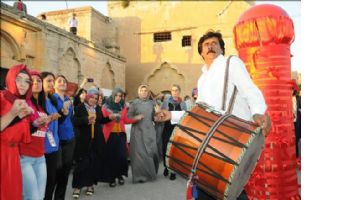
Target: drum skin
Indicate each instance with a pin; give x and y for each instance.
(217, 169)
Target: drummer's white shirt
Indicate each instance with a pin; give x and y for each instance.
(249, 100)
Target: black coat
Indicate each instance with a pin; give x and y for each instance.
(84, 143)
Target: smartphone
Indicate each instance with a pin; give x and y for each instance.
(90, 80)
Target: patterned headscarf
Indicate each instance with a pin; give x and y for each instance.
(90, 93)
(110, 104)
(194, 92)
(143, 86)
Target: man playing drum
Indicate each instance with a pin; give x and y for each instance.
(249, 103)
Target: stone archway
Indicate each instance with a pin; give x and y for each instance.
(108, 77)
(163, 77)
(69, 66)
(10, 51)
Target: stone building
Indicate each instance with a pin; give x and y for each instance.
(46, 47)
(152, 42)
(159, 38)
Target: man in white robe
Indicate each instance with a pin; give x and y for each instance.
(249, 103)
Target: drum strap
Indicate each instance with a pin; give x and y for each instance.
(205, 142)
(225, 90)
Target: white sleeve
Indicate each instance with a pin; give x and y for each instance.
(176, 116)
(246, 87)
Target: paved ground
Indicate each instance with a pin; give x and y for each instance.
(160, 189)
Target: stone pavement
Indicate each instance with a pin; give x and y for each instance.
(160, 189)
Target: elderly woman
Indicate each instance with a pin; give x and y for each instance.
(115, 155)
(143, 146)
(88, 120)
(173, 103)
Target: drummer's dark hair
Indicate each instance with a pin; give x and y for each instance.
(208, 35)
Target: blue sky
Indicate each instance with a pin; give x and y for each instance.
(293, 8)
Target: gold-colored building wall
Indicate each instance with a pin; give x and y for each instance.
(60, 18)
(92, 25)
(161, 64)
(45, 47)
(20, 41)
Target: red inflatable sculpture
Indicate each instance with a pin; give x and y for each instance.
(262, 37)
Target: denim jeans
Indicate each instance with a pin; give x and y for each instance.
(34, 176)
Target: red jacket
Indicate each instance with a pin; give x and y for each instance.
(36, 147)
(123, 120)
(11, 136)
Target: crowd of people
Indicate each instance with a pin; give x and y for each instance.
(44, 131)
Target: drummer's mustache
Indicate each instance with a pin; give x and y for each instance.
(211, 51)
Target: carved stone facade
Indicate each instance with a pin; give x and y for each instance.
(45, 47)
(161, 64)
(164, 74)
(128, 30)
(92, 25)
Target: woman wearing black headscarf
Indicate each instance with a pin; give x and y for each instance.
(115, 153)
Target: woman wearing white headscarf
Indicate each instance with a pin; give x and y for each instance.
(143, 145)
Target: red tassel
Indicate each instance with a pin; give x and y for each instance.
(189, 191)
(299, 163)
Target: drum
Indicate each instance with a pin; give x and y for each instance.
(221, 150)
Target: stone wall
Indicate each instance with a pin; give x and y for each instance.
(92, 25)
(45, 47)
(161, 64)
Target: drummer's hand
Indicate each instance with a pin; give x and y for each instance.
(138, 117)
(162, 116)
(112, 116)
(264, 122)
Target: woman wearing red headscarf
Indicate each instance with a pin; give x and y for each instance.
(15, 128)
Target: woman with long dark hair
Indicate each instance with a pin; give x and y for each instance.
(52, 139)
(33, 162)
(80, 94)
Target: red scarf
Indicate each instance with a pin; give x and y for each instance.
(11, 93)
(20, 5)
